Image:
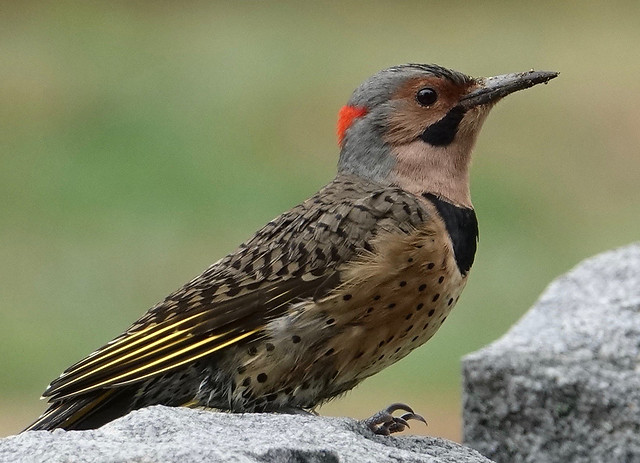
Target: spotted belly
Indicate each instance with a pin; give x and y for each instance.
(391, 301)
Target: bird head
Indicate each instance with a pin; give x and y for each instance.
(415, 126)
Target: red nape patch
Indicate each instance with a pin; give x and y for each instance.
(346, 116)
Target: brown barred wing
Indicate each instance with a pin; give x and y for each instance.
(297, 256)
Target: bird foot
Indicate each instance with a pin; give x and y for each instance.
(384, 423)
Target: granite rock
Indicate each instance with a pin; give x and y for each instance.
(182, 435)
(563, 385)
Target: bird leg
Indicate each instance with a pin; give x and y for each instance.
(384, 423)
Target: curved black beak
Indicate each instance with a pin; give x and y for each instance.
(494, 88)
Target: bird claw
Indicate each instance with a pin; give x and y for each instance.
(384, 423)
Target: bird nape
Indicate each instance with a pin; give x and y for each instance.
(331, 291)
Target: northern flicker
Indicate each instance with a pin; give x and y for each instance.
(331, 291)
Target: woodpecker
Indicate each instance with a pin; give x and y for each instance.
(331, 291)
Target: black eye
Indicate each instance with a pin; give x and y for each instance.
(426, 96)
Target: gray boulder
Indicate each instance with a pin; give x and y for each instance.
(563, 385)
(182, 435)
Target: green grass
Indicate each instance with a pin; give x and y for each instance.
(139, 142)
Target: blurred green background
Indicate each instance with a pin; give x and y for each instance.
(141, 141)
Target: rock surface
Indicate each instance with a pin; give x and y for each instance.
(164, 434)
(564, 383)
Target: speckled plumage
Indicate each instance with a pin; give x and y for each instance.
(320, 298)
(311, 281)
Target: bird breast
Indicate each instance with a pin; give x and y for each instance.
(392, 300)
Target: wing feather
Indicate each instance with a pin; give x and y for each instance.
(295, 257)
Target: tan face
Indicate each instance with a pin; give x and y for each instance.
(422, 167)
(409, 118)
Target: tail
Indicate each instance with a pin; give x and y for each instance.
(85, 412)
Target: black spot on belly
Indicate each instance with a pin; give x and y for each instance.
(462, 226)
